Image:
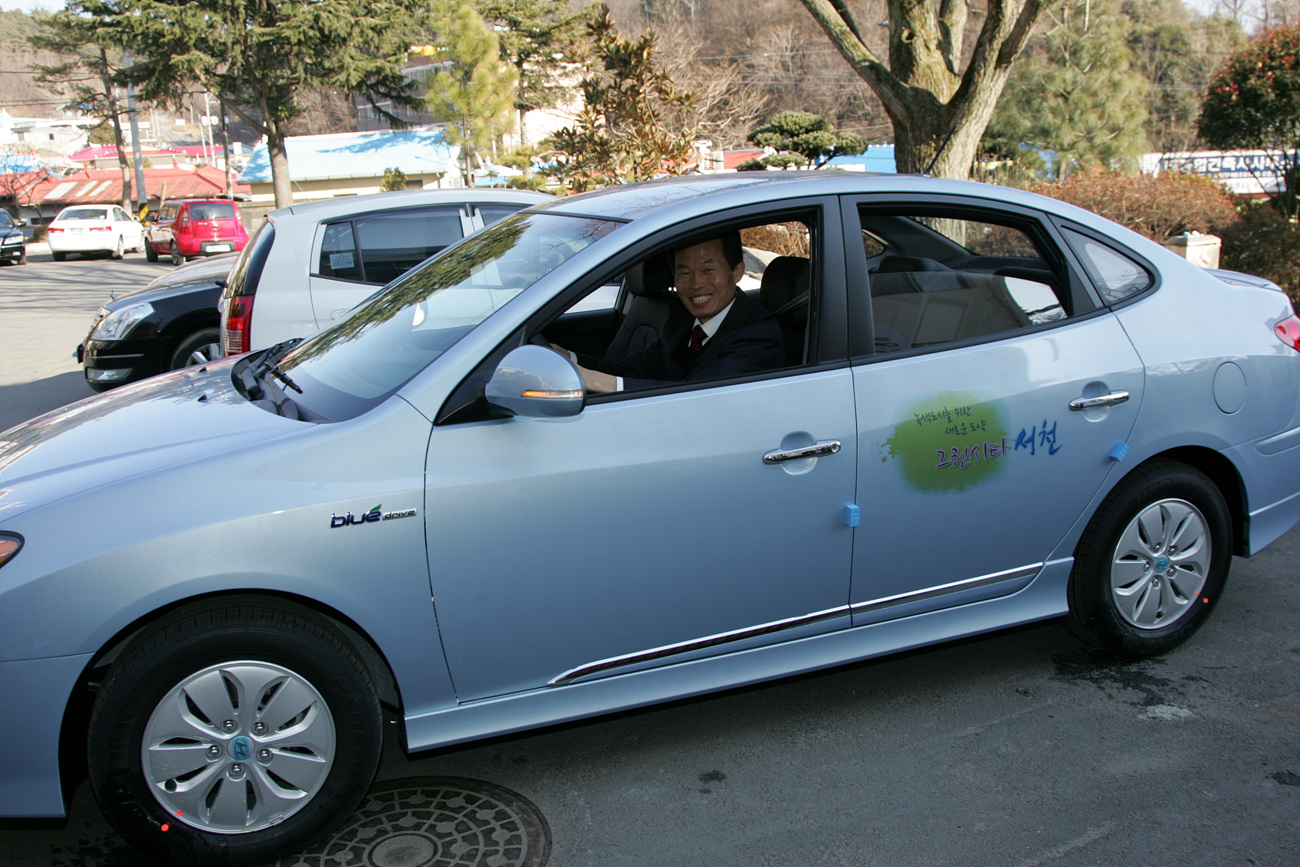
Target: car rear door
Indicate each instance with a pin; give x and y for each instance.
(354, 256)
(994, 398)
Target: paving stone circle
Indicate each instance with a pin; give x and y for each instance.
(436, 822)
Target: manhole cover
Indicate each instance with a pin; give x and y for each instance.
(436, 822)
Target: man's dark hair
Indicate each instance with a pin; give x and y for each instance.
(731, 247)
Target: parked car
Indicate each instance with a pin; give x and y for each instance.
(169, 324)
(309, 264)
(189, 228)
(85, 229)
(995, 409)
(13, 246)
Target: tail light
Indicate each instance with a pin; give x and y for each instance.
(1288, 331)
(184, 221)
(101, 228)
(53, 230)
(235, 330)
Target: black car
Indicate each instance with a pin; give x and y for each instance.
(171, 323)
(13, 246)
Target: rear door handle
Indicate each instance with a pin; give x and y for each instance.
(816, 450)
(1114, 398)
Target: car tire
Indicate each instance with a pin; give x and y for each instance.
(200, 347)
(119, 250)
(58, 257)
(177, 258)
(192, 720)
(1152, 562)
(150, 254)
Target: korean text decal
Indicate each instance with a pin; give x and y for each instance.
(955, 441)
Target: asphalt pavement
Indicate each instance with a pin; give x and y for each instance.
(1021, 748)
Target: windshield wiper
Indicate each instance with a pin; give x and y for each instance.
(270, 363)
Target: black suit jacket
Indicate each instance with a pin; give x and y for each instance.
(749, 340)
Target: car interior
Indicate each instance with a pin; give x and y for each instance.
(941, 279)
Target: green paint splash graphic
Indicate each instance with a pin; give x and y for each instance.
(950, 442)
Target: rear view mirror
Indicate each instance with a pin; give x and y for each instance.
(536, 383)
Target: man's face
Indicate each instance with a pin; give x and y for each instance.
(705, 282)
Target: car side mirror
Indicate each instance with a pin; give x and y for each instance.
(21, 223)
(535, 382)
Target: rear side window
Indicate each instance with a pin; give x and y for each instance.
(212, 211)
(378, 248)
(491, 213)
(937, 279)
(1115, 275)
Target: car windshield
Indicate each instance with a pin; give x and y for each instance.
(6, 222)
(84, 214)
(383, 342)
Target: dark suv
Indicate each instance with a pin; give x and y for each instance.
(190, 228)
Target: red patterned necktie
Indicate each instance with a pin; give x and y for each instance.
(697, 339)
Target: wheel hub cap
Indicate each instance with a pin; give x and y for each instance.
(1160, 564)
(200, 742)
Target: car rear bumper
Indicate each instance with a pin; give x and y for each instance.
(36, 693)
(87, 242)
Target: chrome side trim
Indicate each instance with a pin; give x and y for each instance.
(945, 589)
(696, 644)
(653, 654)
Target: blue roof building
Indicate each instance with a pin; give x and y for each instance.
(324, 166)
(876, 158)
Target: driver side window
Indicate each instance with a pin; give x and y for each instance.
(754, 284)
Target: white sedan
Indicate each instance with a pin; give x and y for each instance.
(90, 229)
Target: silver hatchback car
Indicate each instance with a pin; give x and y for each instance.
(947, 408)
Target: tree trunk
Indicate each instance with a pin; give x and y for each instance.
(123, 163)
(281, 181)
(939, 113)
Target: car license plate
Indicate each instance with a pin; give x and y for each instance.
(74, 231)
(219, 248)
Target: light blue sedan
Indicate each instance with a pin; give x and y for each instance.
(986, 409)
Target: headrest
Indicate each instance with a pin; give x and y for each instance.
(649, 279)
(785, 278)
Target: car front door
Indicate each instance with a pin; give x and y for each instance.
(995, 404)
(649, 529)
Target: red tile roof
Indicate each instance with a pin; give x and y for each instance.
(104, 186)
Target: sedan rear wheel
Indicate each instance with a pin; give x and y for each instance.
(1152, 562)
(233, 733)
(58, 257)
(119, 249)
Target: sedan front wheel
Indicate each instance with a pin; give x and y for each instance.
(1152, 562)
(233, 732)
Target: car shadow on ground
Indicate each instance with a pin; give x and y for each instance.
(26, 400)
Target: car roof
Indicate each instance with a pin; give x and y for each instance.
(343, 205)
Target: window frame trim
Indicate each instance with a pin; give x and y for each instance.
(1037, 225)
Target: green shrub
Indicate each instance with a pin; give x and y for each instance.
(1157, 206)
(1264, 243)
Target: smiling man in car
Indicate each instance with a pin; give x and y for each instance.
(719, 332)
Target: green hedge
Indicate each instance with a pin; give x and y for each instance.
(1256, 238)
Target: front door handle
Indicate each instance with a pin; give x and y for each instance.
(816, 450)
(1114, 398)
